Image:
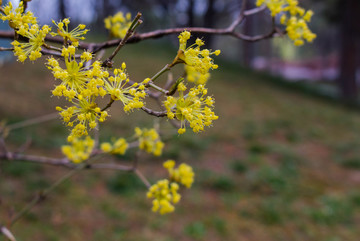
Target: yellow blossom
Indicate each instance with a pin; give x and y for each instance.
(83, 115)
(196, 77)
(118, 24)
(165, 194)
(149, 140)
(183, 174)
(117, 147)
(79, 150)
(193, 56)
(74, 35)
(131, 96)
(16, 17)
(193, 107)
(31, 48)
(76, 80)
(293, 17)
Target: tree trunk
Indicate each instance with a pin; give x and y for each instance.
(62, 9)
(348, 50)
(248, 47)
(190, 14)
(209, 22)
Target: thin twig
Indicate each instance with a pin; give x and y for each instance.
(135, 23)
(6, 49)
(7, 233)
(33, 121)
(153, 112)
(142, 178)
(230, 30)
(42, 195)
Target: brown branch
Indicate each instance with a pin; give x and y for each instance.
(34, 121)
(6, 49)
(153, 112)
(6, 232)
(137, 37)
(136, 22)
(37, 159)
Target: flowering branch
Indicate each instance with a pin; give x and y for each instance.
(135, 23)
(137, 37)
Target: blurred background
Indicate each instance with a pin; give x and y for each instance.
(281, 163)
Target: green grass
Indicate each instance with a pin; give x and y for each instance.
(279, 164)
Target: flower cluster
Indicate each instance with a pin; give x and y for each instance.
(82, 85)
(25, 24)
(193, 107)
(165, 192)
(74, 35)
(118, 24)
(193, 56)
(85, 114)
(149, 140)
(82, 81)
(76, 80)
(79, 150)
(118, 146)
(17, 17)
(183, 174)
(132, 96)
(31, 49)
(196, 77)
(294, 17)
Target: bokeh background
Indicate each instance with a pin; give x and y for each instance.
(281, 163)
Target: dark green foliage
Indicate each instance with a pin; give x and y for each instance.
(19, 169)
(124, 183)
(238, 166)
(332, 210)
(196, 230)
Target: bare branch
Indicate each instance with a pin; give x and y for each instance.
(142, 178)
(137, 37)
(7, 233)
(6, 49)
(136, 22)
(33, 121)
(153, 112)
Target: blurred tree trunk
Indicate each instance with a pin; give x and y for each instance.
(62, 9)
(350, 20)
(248, 47)
(190, 14)
(107, 9)
(209, 22)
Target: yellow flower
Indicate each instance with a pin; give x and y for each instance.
(196, 77)
(118, 24)
(118, 147)
(149, 140)
(131, 96)
(32, 48)
(165, 194)
(298, 31)
(79, 150)
(74, 35)
(16, 17)
(294, 17)
(76, 80)
(192, 107)
(183, 174)
(85, 114)
(200, 60)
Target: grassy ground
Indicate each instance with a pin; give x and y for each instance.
(277, 165)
